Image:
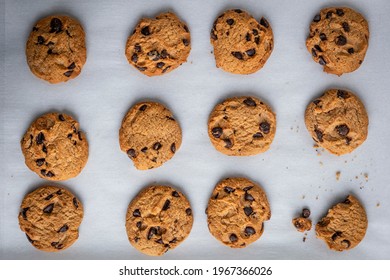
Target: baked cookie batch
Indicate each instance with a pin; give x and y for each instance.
(160, 217)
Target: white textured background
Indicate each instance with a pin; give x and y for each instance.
(291, 172)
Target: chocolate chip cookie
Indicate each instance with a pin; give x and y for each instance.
(241, 44)
(157, 46)
(54, 147)
(149, 135)
(158, 220)
(338, 39)
(337, 121)
(50, 217)
(345, 225)
(236, 212)
(55, 49)
(242, 126)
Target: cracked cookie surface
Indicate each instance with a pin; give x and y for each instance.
(54, 147)
(160, 45)
(338, 39)
(337, 121)
(242, 126)
(236, 212)
(55, 49)
(50, 217)
(242, 45)
(149, 135)
(158, 219)
(345, 225)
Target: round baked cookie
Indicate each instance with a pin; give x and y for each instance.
(158, 220)
(338, 39)
(241, 44)
(157, 46)
(149, 135)
(55, 49)
(54, 147)
(345, 225)
(50, 217)
(236, 211)
(242, 126)
(337, 121)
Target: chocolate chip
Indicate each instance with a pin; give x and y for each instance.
(57, 245)
(137, 48)
(49, 208)
(55, 25)
(75, 203)
(44, 149)
(68, 73)
(145, 31)
(64, 228)
(141, 68)
(59, 192)
(137, 213)
(139, 224)
(233, 237)
(143, 107)
(228, 189)
(131, 153)
(228, 143)
(40, 138)
(248, 197)
(342, 129)
(134, 58)
(24, 212)
(249, 231)
(173, 148)
(61, 117)
(166, 69)
(41, 40)
(346, 26)
(136, 239)
(257, 40)
(305, 213)
(317, 18)
(144, 149)
(43, 172)
(339, 12)
(72, 66)
(348, 140)
(230, 21)
(35, 28)
(247, 188)
(319, 134)
(157, 146)
(49, 51)
(321, 61)
(160, 65)
(70, 136)
(323, 37)
(255, 32)
(250, 102)
(79, 135)
(217, 132)
(264, 22)
(346, 243)
(175, 194)
(186, 42)
(212, 35)
(329, 14)
(166, 205)
(29, 239)
(186, 28)
(50, 196)
(159, 241)
(257, 135)
(152, 231)
(248, 37)
(316, 102)
(237, 55)
(351, 50)
(248, 210)
(341, 40)
(313, 52)
(174, 240)
(40, 161)
(342, 94)
(318, 48)
(251, 52)
(188, 211)
(336, 234)
(50, 174)
(215, 196)
(265, 127)
(164, 54)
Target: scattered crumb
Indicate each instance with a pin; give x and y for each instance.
(321, 163)
(304, 239)
(286, 167)
(211, 51)
(378, 204)
(303, 196)
(317, 197)
(366, 176)
(345, 161)
(315, 146)
(338, 173)
(292, 128)
(356, 177)
(302, 224)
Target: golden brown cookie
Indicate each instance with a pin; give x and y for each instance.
(338, 39)
(337, 121)
(236, 211)
(242, 126)
(302, 224)
(54, 147)
(345, 225)
(149, 135)
(50, 217)
(158, 220)
(55, 49)
(157, 46)
(241, 44)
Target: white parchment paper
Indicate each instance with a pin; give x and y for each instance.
(291, 172)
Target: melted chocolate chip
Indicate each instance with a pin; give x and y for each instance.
(346, 243)
(143, 107)
(265, 127)
(72, 66)
(228, 143)
(313, 52)
(50, 174)
(137, 48)
(173, 148)
(55, 25)
(40, 138)
(248, 197)
(50, 196)
(341, 40)
(152, 231)
(131, 153)
(186, 42)
(144, 149)
(248, 37)
(319, 135)
(342, 94)
(166, 69)
(61, 117)
(264, 22)
(29, 239)
(317, 18)
(323, 37)
(137, 213)
(139, 224)
(166, 205)
(157, 146)
(228, 189)
(145, 31)
(233, 237)
(141, 68)
(159, 241)
(64, 228)
(24, 212)
(44, 149)
(41, 40)
(346, 27)
(316, 102)
(321, 61)
(40, 161)
(342, 130)
(305, 213)
(339, 12)
(249, 231)
(134, 58)
(250, 102)
(257, 135)
(188, 211)
(318, 48)
(230, 21)
(160, 65)
(336, 234)
(68, 73)
(329, 14)
(49, 208)
(247, 188)
(35, 28)
(75, 203)
(59, 192)
(186, 28)
(217, 132)
(257, 40)
(164, 53)
(351, 50)
(175, 194)
(251, 52)
(248, 210)
(238, 55)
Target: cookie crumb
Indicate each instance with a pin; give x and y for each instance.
(378, 204)
(304, 239)
(302, 224)
(338, 173)
(366, 176)
(303, 196)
